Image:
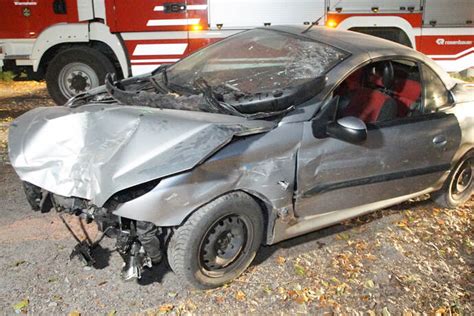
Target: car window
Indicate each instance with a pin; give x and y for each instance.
(435, 94)
(257, 61)
(381, 91)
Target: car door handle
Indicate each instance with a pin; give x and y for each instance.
(440, 141)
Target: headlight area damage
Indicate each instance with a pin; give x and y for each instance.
(138, 242)
(87, 159)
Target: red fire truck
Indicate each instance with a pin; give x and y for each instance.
(74, 43)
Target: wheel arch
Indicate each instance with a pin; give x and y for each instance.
(143, 208)
(266, 208)
(62, 36)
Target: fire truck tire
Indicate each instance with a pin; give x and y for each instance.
(75, 70)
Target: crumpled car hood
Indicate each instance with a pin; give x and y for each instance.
(95, 151)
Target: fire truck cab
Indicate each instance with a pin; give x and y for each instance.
(73, 44)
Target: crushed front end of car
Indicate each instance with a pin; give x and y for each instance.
(90, 160)
(111, 154)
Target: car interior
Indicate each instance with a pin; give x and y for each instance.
(381, 91)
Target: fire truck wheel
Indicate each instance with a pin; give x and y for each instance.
(76, 70)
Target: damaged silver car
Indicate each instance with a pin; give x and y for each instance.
(266, 135)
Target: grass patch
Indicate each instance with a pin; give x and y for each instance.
(6, 76)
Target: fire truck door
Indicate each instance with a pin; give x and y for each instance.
(28, 18)
(147, 15)
(157, 32)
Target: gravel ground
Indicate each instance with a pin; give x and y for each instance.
(409, 259)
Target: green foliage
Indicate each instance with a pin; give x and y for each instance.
(6, 75)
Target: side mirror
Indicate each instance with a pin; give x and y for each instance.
(350, 129)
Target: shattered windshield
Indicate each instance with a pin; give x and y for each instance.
(255, 74)
(255, 61)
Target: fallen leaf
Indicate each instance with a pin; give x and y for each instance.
(74, 313)
(21, 306)
(52, 279)
(19, 262)
(191, 306)
(268, 290)
(280, 260)
(299, 270)
(56, 297)
(166, 308)
(440, 311)
(402, 223)
(240, 296)
(385, 312)
(369, 284)
(343, 236)
(301, 298)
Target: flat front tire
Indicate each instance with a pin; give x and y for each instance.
(217, 242)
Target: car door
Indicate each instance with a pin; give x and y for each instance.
(399, 157)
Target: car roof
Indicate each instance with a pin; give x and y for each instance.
(358, 43)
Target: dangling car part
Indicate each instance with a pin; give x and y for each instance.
(266, 135)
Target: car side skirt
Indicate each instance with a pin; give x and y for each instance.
(307, 224)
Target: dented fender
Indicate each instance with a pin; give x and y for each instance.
(262, 165)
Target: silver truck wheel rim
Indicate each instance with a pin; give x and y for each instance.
(76, 78)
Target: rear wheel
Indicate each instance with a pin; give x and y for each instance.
(217, 242)
(76, 70)
(459, 185)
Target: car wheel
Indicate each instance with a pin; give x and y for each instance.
(459, 186)
(218, 241)
(76, 70)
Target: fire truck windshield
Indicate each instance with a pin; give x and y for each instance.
(255, 61)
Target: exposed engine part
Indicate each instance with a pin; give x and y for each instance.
(39, 199)
(206, 101)
(83, 248)
(139, 246)
(69, 204)
(148, 236)
(135, 261)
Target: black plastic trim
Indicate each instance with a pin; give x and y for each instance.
(408, 120)
(375, 179)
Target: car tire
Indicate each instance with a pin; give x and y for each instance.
(217, 242)
(459, 186)
(75, 70)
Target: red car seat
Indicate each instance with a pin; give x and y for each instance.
(372, 105)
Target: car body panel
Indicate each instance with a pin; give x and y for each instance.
(94, 151)
(394, 161)
(262, 165)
